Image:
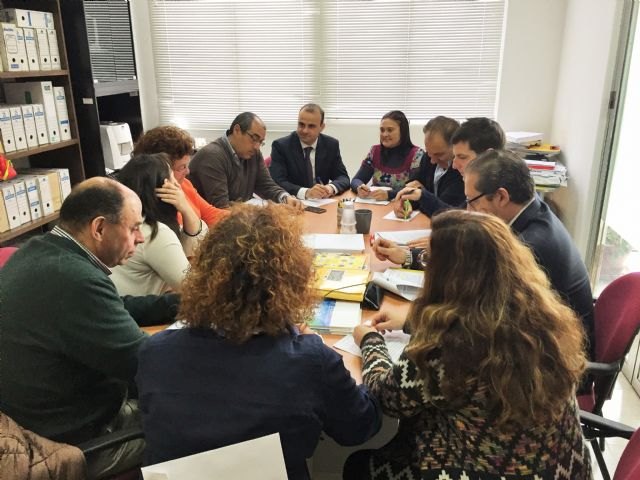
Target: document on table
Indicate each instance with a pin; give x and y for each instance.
(372, 201)
(392, 216)
(258, 458)
(335, 242)
(317, 202)
(395, 340)
(404, 237)
(406, 283)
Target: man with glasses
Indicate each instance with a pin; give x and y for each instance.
(231, 168)
(307, 163)
(498, 182)
(475, 136)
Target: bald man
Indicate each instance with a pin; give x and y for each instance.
(69, 343)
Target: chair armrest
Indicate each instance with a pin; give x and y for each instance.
(110, 440)
(602, 369)
(597, 426)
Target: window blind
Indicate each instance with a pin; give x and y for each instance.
(357, 58)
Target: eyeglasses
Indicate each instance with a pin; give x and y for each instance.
(255, 138)
(469, 201)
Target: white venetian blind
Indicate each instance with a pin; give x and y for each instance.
(357, 58)
(426, 58)
(217, 58)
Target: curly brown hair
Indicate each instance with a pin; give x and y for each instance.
(488, 310)
(168, 139)
(251, 273)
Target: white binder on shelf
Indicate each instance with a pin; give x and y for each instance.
(9, 48)
(40, 120)
(62, 112)
(31, 48)
(6, 130)
(28, 18)
(37, 92)
(55, 187)
(10, 204)
(42, 43)
(22, 50)
(44, 189)
(29, 121)
(33, 197)
(21, 199)
(18, 127)
(54, 52)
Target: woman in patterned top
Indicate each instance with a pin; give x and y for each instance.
(391, 162)
(485, 389)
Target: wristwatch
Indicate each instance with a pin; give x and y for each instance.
(408, 259)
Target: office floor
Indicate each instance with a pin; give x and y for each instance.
(624, 407)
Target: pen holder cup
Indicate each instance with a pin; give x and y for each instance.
(363, 220)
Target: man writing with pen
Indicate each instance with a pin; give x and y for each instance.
(307, 163)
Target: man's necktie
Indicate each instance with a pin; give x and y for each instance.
(307, 163)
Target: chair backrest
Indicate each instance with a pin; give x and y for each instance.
(629, 465)
(5, 253)
(267, 161)
(617, 317)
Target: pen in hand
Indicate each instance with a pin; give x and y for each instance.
(406, 207)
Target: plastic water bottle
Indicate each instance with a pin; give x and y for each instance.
(348, 220)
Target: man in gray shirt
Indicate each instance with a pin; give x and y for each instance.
(232, 169)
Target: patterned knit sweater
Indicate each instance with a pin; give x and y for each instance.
(437, 440)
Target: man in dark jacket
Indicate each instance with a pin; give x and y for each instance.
(307, 163)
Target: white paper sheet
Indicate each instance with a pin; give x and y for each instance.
(396, 341)
(258, 458)
(392, 216)
(406, 283)
(372, 201)
(317, 202)
(335, 242)
(404, 237)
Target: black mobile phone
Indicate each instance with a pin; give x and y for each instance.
(315, 209)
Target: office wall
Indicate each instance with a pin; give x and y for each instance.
(580, 112)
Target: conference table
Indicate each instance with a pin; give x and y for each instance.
(327, 223)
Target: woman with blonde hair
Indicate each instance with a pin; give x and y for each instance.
(486, 387)
(241, 368)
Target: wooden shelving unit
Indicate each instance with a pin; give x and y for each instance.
(66, 154)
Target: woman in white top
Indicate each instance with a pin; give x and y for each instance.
(160, 263)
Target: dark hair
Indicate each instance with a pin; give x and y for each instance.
(314, 107)
(143, 174)
(489, 313)
(251, 273)
(481, 133)
(496, 169)
(173, 141)
(97, 197)
(244, 120)
(405, 136)
(443, 126)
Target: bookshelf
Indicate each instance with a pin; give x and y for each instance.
(64, 154)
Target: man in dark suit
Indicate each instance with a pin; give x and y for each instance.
(499, 182)
(307, 163)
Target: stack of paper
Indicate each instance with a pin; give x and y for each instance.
(406, 283)
(341, 284)
(335, 317)
(395, 341)
(335, 242)
(403, 237)
(525, 138)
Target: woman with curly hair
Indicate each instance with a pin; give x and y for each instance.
(242, 367)
(389, 163)
(178, 145)
(160, 263)
(486, 387)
